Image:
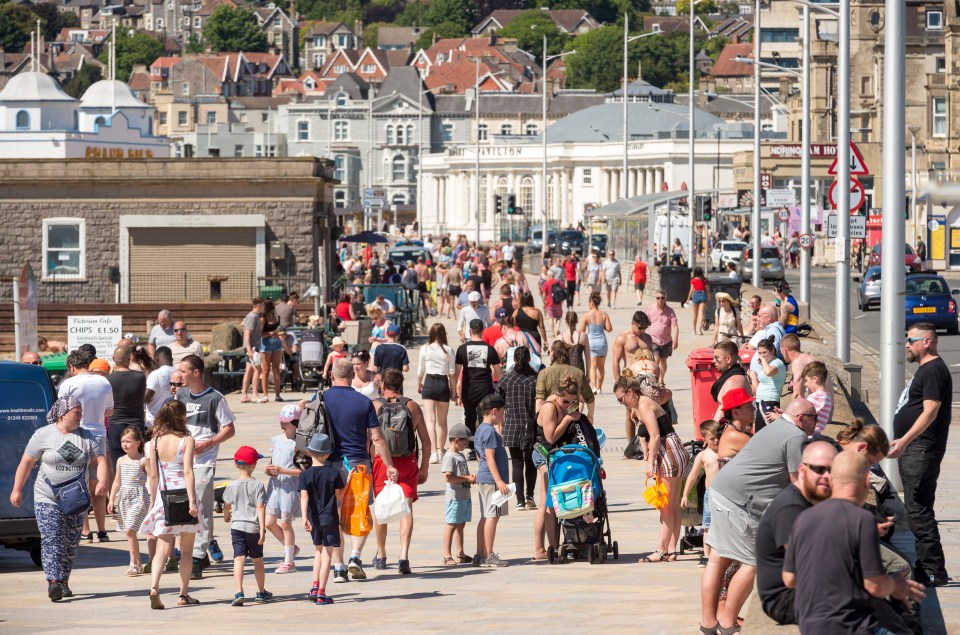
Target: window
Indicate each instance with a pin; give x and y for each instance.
(934, 20)
(341, 99)
(446, 132)
(63, 246)
(182, 118)
(159, 24)
(506, 129)
(389, 135)
(779, 35)
(865, 84)
(211, 118)
(939, 116)
(162, 118)
(23, 120)
(198, 23)
(341, 130)
(940, 64)
(656, 27)
(303, 130)
(399, 168)
(339, 173)
(340, 199)
(340, 68)
(483, 131)
(344, 41)
(318, 60)
(100, 121)
(369, 69)
(276, 22)
(185, 89)
(258, 151)
(526, 193)
(399, 199)
(238, 150)
(531, 129)
(587, 176)
(319, 41)
(410, 134)
(400, 137)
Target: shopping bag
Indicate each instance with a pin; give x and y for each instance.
(656, 494)
(391, 505)
(355, 517)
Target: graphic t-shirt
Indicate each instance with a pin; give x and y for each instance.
(932, 381)
(455, 464)
(321, 482)
(207, 413)
(243, 496)
(95, 395)
(477, 360)
(62, 456)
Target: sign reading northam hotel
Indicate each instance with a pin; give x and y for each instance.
(817, 150)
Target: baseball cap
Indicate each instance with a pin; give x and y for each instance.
(246, 454)
(290, 412)
(499, 314)
(99, 365)
(474, 296)
(736, 397)
(459, 431)
(393, 329)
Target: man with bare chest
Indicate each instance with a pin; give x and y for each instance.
(629, 343)
(423, 274)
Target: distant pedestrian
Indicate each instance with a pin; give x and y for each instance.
(639, 278)
(611, 278)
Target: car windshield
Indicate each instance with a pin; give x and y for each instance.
(769, 252)
(571, 235)
(734, 246)
(873, 277)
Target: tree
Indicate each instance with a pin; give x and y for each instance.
(16, 24)
(234, 29)
(603, 11)
(194, 44)
(412, 14)
(460, 12)
(53, 20)
(87, 76)
(135, 47)
(704, 7)
(528, 29)
(598, 63)
(442, 30)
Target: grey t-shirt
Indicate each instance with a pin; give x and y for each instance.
(243, 495)
(456, 464)
(611, 270)
(285, 314)
(160, 336)
(61, 457)
(754, 477)
(252, 322)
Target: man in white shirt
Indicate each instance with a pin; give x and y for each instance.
(158, 385)
(768, 326)
(507, 251)
(474, 311)
(184, 344)
(162, 333)
(96, 401)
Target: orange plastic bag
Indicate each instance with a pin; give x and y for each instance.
(355, 518)
(656, 494)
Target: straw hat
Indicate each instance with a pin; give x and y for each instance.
(723, 295)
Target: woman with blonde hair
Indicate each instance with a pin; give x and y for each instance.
(380, 325)
(596, 324)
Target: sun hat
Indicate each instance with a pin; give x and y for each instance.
(736, 397)
(723, 295)
(290, 412)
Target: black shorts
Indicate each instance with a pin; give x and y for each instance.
(454, 290)
(436, 388)
(780, 607)
(422, 286)
(245, 544)
(325, 536)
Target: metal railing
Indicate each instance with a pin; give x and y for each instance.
(230, 286)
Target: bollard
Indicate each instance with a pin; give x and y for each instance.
(855, 371)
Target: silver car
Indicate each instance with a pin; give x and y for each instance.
(771, 265)
(868, 291)
(725, 251)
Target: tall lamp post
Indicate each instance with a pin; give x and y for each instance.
(755, 222)
(691, 141)
(914, 225)
(543, 145)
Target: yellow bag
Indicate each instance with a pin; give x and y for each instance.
(656, 494)
(355, 518)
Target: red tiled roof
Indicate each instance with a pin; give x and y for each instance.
(209, 6)
(460, 75)
(139, 81)
(565, 19)
(726, 66)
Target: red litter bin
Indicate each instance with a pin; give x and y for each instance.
(702, 375)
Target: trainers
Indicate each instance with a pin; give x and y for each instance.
(340, 575)
(197, 573)
(176, 554)
(404, 566)
(471, 455)
(493, 560)
(356, 569)
(215, 553)
(102, 536)
(520, 507)
(204, 561)
(264, 596)
(286, 567)
(531, 504)
(87, 537)
(314, 590)
(324, 599)
(379, 563)
(477, 560)
(67, 593)
(237, 600)
(54, 591)
(702, 562)
(172, 565)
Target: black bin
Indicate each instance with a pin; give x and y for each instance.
(720, 284)
(675, 281)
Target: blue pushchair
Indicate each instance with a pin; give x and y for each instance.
(577, 497)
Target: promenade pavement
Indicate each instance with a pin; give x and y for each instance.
(618, 596)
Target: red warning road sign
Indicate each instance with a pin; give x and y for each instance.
(857, 165)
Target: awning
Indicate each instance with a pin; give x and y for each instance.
(640, 204)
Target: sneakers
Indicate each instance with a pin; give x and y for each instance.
(404, 566)
(702, 562)
(215, 553)
(356, 569)
(379, 563)
(531, 504)
(434, 457)
(237, 600)
(102, 536)
(471, 455)
(67, 593)
(176, 554)
(87, 537)
(340, 575)
(314, 590)
(197, 573)
(286, 567)
(477, 560)
(54, 591)
(263, 596)
(493, 560)
(204, 561)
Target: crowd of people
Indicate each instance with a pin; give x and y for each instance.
(143, 434)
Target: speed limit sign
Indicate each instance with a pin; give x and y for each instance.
(806, 241)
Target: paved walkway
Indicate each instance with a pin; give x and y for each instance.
(620, 596)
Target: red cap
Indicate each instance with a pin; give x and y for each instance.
(736, 397)
(246, 454)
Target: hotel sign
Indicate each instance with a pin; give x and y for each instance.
(93, 152)
(817, 150)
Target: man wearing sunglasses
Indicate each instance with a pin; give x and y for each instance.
(920, 427)
(32, 358)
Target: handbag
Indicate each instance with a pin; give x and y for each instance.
(72, 495)
(176, 502)
(656, 494)
(355, 518)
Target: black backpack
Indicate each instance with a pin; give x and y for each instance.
(313, 419)
(397, 427)
(558, 293)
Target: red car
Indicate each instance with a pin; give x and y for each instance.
(911, 260)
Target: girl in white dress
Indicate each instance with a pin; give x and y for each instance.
(129, 497)
(283, 503)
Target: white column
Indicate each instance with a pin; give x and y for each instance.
(539, 203)
(658, 180)
(649, 178)
(565, 203)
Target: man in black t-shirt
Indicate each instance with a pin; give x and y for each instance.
(811, 487)
(391, 354)
(480, 364)
(833, 561)
(920, 428)
(129, 389)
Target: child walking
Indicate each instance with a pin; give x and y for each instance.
(129, 497)
(321, 487)
(244, 508)
(491, 471)
(459, 510)
(338, 351)
(282, 505)
(708, 461)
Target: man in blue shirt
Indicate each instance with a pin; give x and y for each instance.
(354, 422)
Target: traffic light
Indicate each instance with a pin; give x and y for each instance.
(511, 203)
(707, 209)
(497, 207)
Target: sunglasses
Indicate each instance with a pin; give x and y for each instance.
(179, 330)
(819, 470)
(173, 385)
(661, 297)
(37, 363)
(914, 340)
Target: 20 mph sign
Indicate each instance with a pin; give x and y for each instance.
(806, 241)
(857, 195)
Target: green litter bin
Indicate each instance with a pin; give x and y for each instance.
(271, 292)
(56, 366)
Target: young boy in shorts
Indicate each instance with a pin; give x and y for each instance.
(321, 487)
(708, 461)
(459, 507)
(244, 507)
(492, 468)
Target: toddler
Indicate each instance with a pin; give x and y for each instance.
(339, 351)
(706, 460)
(456, 471)
(282, 504)
(321, 488)
(129, 497)
(244, 508)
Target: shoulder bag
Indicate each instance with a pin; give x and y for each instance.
(176, 502)
(72, 495)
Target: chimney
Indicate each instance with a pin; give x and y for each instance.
(493, 40)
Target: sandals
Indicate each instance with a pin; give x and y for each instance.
(134, 570)
(660, 557)
(712, 630)
(450, 561)
(263, 400)
(542, 555)
(186, 600)
(155, 602)
(670, 556)
(464, 558)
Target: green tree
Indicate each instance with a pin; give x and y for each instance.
(234, 29)
(442, 30)
(138, 48)
(460, 12)
(598, 63)
(704, 7)
(53, 20)
(528, 29)
(87, 76)
(194, 44)
(16, 24)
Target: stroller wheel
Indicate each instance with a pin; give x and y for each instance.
(616, 550)
(551, 555)
(592, 555)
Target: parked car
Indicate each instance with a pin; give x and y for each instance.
(771, 265)
(726, 251)
(407, 251)
(568, 241)
(910, 258)
(598, 243)
(868, 291)
(535, 243)
(929, 299)
(25, 398)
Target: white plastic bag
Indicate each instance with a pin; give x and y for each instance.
(499, 499)
(391, 505)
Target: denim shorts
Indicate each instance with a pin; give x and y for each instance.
(699, 297)
(458, 512)
(270, 345)
(538, 459)
(706, 510)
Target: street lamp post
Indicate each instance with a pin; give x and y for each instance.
(543, 145)
(477, 166)
(805, 254)
(914, 224)
(691, 140)
(756, 147)
(843, 178)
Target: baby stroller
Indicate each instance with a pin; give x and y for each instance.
(576, 493)
(691, 517)
(312, 358)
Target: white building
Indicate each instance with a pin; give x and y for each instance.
(40, 121)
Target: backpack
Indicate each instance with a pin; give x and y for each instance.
(313, 419)
(558, 293)
(397, 427)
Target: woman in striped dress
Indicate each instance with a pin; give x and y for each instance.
(129, 497)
